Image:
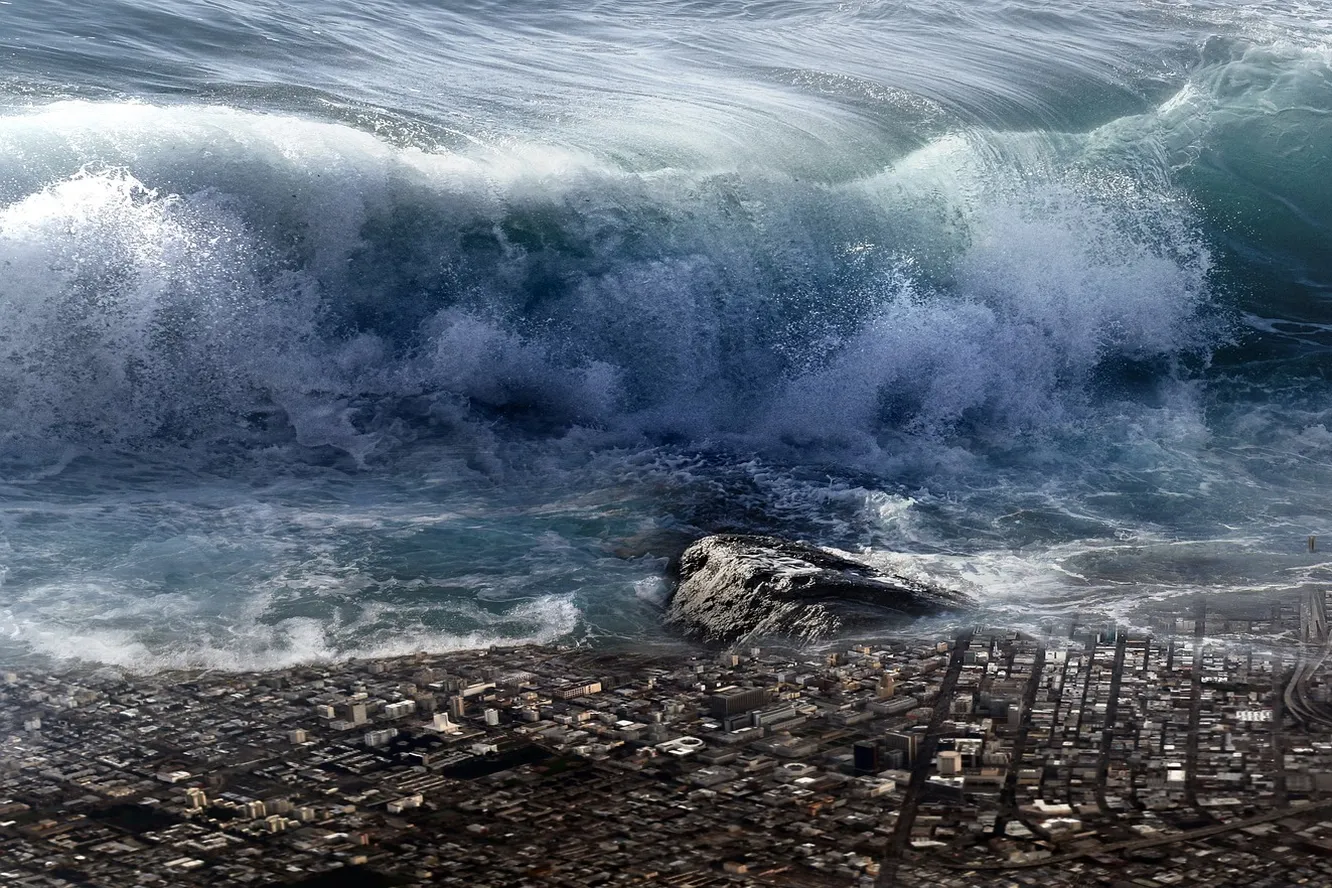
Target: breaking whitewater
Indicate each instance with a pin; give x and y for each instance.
(304, 369)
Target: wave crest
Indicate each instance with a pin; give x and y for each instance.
(246, 276)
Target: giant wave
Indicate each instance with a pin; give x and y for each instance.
(186, 273)
(285, 376)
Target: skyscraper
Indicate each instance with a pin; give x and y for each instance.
(866, 754)
(906, 743)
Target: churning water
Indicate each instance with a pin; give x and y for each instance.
(333, 328)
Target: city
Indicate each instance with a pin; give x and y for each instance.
(1196, 753)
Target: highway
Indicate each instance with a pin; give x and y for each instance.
(1298, 702)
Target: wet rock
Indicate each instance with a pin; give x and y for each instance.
(733, 586)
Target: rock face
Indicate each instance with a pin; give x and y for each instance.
(732, 587)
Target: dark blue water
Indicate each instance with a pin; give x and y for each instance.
(331, 327)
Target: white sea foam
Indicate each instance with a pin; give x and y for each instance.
(253, 645)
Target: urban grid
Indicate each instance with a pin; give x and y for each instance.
(1196, 753)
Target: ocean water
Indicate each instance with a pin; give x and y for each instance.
(332, 328)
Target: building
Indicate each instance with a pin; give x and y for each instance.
(733, 701)
(886, 687)
(443, 725)
(381, 737)
(401, 709)
(950, 763)
(904, 743)
(569, 692)
(397, 806)
(866, 756)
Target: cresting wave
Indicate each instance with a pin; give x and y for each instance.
(183, 273)
(280, 385)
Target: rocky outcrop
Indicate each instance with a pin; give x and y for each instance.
(732, 587)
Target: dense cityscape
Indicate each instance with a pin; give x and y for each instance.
(1196, 753)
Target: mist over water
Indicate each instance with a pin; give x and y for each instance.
(386, 328)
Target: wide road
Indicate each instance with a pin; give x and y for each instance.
(920, 769)
(1298, 702)
(1195, 712)
(1008, 798)
(1108, 730)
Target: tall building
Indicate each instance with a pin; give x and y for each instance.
(906, 743)
(400, 709)
(886, 687)
(443, 725)
(950, 763)
(380, 737)
(866, 755)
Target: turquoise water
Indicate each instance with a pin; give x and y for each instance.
(338, 328)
